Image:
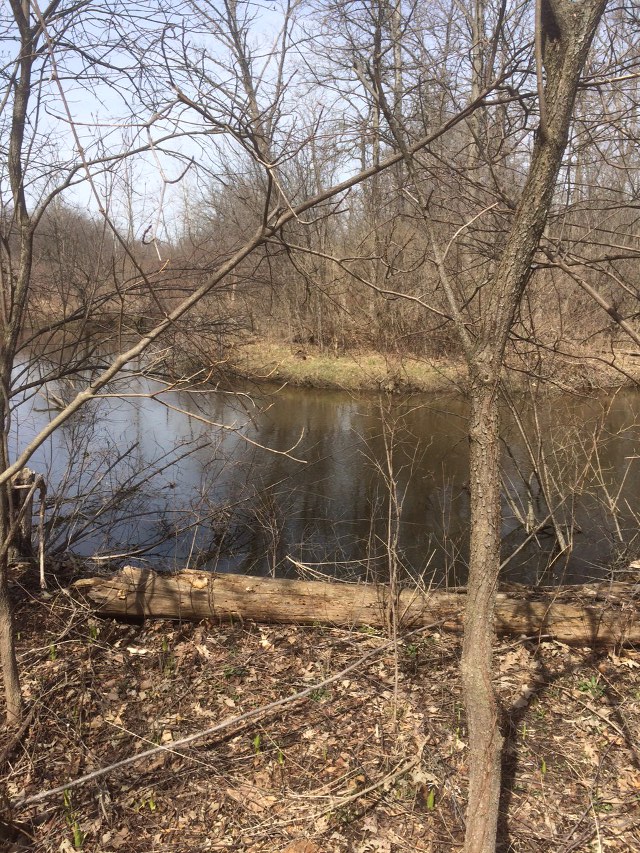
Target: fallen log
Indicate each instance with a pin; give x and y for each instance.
(605, 613)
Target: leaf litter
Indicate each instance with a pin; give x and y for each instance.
(357, 765)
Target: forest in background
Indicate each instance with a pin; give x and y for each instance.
(362, 270)
(448, 180)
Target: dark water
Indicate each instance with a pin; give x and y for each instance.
(181, 480)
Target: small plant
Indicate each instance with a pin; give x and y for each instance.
(280, 758)
(78, 835)
(147, 802)
(234, 671)
(318, 695)
(345, 815)
(431, 799)
(93, 633)
(591, 686)
(411, 650)
(72, 821)
(53, 652)
(543, 768)
(257, 744)
(167, 659)
(458, 729)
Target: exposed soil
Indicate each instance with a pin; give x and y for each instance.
(375, 760)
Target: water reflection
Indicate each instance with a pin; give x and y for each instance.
(199, 491)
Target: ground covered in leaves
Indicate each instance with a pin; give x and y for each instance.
(372, 757)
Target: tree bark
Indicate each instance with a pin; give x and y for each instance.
(15, 289)
(11, 678)
(10, 674)
(485, 739)
(567, 32)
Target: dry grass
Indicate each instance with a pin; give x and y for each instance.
(357, 371)
(372, 371)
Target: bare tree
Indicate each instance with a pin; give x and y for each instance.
(51, 52)
(472, 164)
(484, 322)
(232, 111)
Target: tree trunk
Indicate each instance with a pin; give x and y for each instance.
(10, 675)
(15, 287)
(21, 546)
(485, 739)
(567, 30)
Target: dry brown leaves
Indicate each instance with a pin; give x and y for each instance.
(374, 763)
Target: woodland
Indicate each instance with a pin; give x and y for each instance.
(188, 188)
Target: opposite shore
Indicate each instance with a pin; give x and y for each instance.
(370, 371)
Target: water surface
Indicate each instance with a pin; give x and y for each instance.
(264, 481)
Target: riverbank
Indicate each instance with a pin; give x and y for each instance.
(373, 758)
(263, 360)
(369, 371)
(307, 366)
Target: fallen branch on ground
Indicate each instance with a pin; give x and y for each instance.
(177, 745)
(589, 614)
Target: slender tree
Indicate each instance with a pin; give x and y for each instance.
(567, 32)
(564, 32)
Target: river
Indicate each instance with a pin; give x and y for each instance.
(264, 482)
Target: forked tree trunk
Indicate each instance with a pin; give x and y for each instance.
(568, 27)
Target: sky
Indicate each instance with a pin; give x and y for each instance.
(144, 192)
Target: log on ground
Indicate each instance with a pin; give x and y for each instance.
(591, 614)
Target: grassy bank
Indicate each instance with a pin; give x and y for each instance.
(307, 366)
(355, 371)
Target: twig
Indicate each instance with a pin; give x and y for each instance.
(601, 716)
(588, 834)
(390, 777)
(400, 770)
(186, 741)
(15, 740)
